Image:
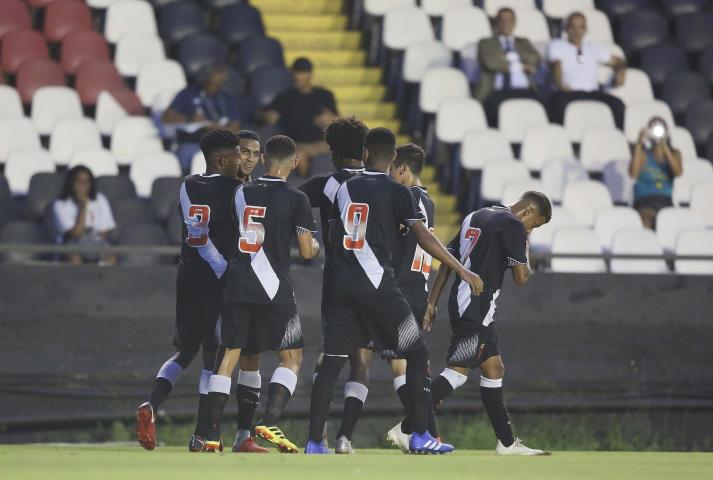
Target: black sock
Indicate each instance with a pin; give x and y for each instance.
(277, 397)
(248, 399)
(416, 366)
(498, 414)
(440, 390)
(203, 423)
(322, 395)
(216, 402)
(352, 411)
(402, 392)
(430, 411)
(159, 392)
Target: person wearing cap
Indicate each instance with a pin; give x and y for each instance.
(303, 112)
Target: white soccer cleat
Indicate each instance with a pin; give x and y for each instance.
(398, 438)
(343, 445)
(518, 448)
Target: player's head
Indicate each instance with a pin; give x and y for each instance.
(249, 148)
(302, 73)
(408, 164)
(380, 146)
(345, 137)
(79, 183)
(533, 209)
(220, 149)
(280, 154)
(576, 27)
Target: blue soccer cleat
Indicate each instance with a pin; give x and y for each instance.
(425, 443)
(316, 448)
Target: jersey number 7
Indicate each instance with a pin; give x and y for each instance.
(355, 226)
(472, 234)
(199, 216)
(252, 233)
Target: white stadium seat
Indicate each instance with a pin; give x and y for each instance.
(378, 8)
(694, 171)
(482, 146)
(198, 163)
(22, 164)
(149, 166)
(671, 221)
(98, 160)
(134, 49)
(10, 103)
(682, 140)
(598, 26)
(102, 4)
(157, 77)
(492, 6)
(406, 26)
(423, 56)
(702, 200)
(599, 146)
(583, 114)
(604, 72)
(608, 221)
(496, 173)
(129, 16)
(108, 113)
(17, 133)
(639, 113)
(636, 88)
(516, 115)
(585, 198)
(577, 240)
(437, 8)
(558, 172)
(465, 26)
(441, 84)
(513, 189)
(532, 24)
(615, 176)
(632, 241)
(71, 134)
(134, 135)
(51, 104)
(694, 242)
(543, 143)
(541, 237)
(559, 9)
(455, 117)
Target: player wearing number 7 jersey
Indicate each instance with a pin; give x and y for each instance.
(491, 241)
(365, 301)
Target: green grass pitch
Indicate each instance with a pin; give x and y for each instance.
(47, 462)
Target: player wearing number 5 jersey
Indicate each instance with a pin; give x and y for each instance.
(491, 241)
(365, 302)
(208, 244)
(259, 311)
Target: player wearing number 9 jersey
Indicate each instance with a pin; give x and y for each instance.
(365, 302)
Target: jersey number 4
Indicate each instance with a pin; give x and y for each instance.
(252, 233)
(199, 216)
(355, 226)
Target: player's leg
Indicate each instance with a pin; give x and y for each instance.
(248, 396)
(355, 393)
(197, 441)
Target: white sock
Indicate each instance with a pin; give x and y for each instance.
(356, 390)
(399, 382)
(250, 379)
(285, 376)
(170, 371)
(454, 378)
(219, 384)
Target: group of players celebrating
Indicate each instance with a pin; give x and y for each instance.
(235, 298)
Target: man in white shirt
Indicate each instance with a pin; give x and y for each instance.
(574, 63)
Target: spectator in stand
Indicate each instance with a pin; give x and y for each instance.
(303, 112)
(82, 216)
(199, 108)
(654, 166)
(507, 66)
(574, 63)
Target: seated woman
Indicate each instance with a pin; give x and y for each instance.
(82, 216)
(654, 166)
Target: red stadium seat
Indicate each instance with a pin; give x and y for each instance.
(21, 45)
(43, 3)
(34, 74)
(64, 17)
(80, 46)
(14, 16)
(95, 76)
(129, 101)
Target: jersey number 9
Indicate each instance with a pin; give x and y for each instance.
(355, 226)
(252, 233)
(199, 216)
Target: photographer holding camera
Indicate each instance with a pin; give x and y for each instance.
(654, 166)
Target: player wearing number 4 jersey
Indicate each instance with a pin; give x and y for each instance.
(365, 301)
(491, 241)
(259, 311)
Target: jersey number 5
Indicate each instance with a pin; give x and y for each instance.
(252, 233)
(199, 216)
(355, 226)
(421, 260)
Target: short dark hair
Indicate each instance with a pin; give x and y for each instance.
(412, 156)
(541, 201)
(279, 148)
(503, 10)
(248, 135)
(345, 137)
(571, 16)
(381, 143)
(217, 140)
(72, 176)
(302, 64)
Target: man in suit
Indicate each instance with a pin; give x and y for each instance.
(507, 66)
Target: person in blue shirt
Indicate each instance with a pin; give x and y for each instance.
(654, 166)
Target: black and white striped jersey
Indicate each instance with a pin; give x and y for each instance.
(269, 213)
(365, 224)
(413, 264)
(490, 241)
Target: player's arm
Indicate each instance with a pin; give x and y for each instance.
(517, 251)
(438, 285)
(305, 225)
(521, 271)
(307, 244)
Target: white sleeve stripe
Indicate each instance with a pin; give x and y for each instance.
(302, 231)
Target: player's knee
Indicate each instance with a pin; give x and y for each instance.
(185, 356)
(291, 359)
(493, 370)
(249, 363)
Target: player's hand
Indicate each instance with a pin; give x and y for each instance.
(472, 279)
(430, 317)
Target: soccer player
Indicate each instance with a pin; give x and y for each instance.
(209, 236)
(491, 241)
(345, 137)
(364, 302)
(259, 311)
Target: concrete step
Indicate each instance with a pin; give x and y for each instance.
(310, 7)
(304, 23)
(326, 58)
(368, 109)
(335, 40)
(368, 93)
(391, 123)
(348, 76)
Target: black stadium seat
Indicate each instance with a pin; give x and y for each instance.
(699, 121)
(681, 89)
(660, 60)
(236, 83)
(199, 51)
(25, 233)
(694, 31)
(179, 20)
(164, 196)
(220, 4)
(674, 8)
(10, 210)
(4, 187)
(257, 52)
(617, 8)
(641, 29)
(44, 189)
(705, 64)
(130, 211)
(174, 227)
(142, 234)
(239, 22)
(267, 82)
(116, 187)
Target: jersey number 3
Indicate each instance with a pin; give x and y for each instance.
(355, 226)
(252, 233)
(199, 215)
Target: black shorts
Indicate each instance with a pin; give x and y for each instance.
(417, 298)
(199, 295)
(471, 343)
(354, 319)
(260, 327)
(654, 202)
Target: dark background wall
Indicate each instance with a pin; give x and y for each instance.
(84, 343)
